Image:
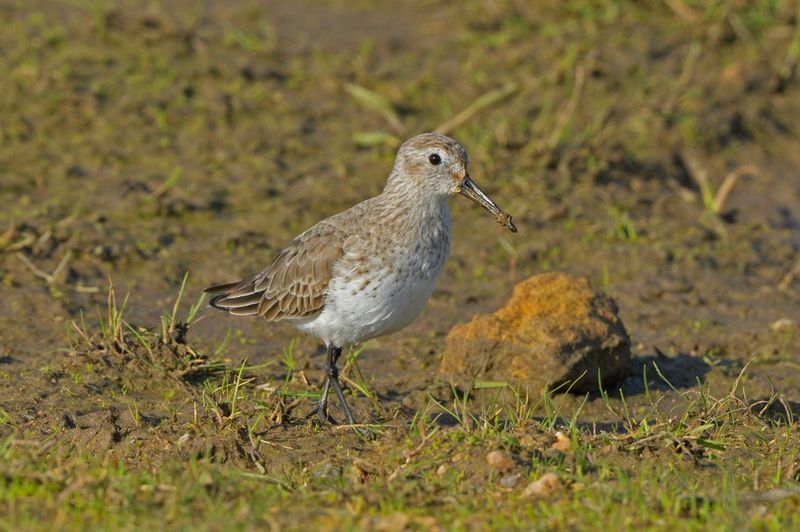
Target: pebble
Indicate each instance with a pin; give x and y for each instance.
(782, 324)
(563, 443)
(499, 459)
(510, 481)
(544, 487)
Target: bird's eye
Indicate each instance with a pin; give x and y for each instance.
(434, 158)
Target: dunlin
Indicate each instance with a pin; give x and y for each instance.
(367, 271)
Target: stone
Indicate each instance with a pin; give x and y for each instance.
(499, 460)
(510, 481)
(546, 485)
(562, 444)
(556, 331)
(783, 324)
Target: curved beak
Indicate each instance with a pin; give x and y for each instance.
(472, 191)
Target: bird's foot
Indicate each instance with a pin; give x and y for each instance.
(367, 432)
(321, 412)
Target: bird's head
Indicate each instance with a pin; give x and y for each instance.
(436, 165)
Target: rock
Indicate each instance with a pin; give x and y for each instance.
(555, 329)
(782, 324)
(544, 487)
(499, 460)
(510, 481)
(562, 444)
(458, 457)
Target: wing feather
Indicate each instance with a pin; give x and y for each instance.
(293, 286)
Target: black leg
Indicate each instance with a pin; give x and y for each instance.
(322, 406)
(333, 379)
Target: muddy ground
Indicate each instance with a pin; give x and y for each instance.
(141, 143)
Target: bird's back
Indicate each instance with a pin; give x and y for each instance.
(361, 273)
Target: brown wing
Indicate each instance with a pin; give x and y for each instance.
(293, 286)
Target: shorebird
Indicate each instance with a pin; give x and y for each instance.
(367, 271)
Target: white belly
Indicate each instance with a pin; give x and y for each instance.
(392, 299)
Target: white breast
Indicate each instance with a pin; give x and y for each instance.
(392, 299)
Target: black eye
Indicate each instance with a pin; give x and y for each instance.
(434, 158)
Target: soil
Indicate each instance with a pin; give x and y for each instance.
(140, 144)
(555, 332)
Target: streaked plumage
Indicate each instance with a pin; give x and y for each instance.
(367, 271)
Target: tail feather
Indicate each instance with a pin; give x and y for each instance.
(237, 297)
(214, 302)
(222, 287)
(248, 310)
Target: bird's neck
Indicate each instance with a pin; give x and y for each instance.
(416, 217)
(413, 201)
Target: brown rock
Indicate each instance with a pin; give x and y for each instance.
(545, 486)
(499, 460)
(555, 329)
(562, 444)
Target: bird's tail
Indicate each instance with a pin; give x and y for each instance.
(238, 297)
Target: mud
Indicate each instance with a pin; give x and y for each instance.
(139, 144)
(555, 331)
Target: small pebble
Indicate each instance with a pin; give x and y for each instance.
(563, 443)
(783, 324)
(499, 459)
(509, 481)
(544, 487)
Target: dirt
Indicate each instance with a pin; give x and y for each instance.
(555, 331)
(139, 144)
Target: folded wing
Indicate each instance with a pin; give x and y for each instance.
(293, 286)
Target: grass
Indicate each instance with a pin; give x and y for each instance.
(705, 462)
(435, 474)
(622, 135)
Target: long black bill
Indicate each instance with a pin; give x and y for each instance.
(473, 192)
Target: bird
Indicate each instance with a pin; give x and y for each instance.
(367, 271)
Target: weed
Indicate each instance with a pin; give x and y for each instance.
(624, 227)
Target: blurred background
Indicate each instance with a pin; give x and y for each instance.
(649, 146)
